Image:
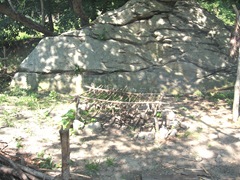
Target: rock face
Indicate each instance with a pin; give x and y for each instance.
(146, 46)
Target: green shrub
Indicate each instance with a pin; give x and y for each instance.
(222, 9)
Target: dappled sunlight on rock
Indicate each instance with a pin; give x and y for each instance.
(176, 48)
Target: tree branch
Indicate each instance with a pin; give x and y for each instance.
(236, 10)
(11, 5)
(78, 9)
(24, 20)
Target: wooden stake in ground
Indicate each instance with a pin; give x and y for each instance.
(64, 135)
(235, 45)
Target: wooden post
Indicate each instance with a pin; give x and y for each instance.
(235, 46)
(64, 135)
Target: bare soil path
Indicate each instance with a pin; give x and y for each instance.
(209, 149)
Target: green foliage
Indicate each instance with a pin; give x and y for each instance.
(30, 101)
(68, 118)
(94, 8)
(86, 116)
(19, 92)
(45, 162)
(19, 102)
(78, 69)
(6, 119)
(186, 134)
(159, 114)
(65, 19)
(3, 98)
(92, 166)
(53, 95)
(222, 96)
(11, 30)
(8, 30)
(110, 162)
(61, 11)
(25, 97)
(19, 143)
(227, 96)
(222, 9)
(5, 79)
(198, 93)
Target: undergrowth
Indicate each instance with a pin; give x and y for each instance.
(226, 96)
(17, 100)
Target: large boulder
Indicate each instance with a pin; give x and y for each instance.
(144, 46)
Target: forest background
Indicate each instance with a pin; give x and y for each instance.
(23, 19)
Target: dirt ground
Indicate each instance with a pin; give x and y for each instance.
(209, 149)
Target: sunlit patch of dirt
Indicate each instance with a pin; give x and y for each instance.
(208, 149)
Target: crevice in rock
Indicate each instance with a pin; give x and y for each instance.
(216, 51)
(122, 40)
(217, 71)
(92, 72)
(51, 72)
(206, 69)
(139, 18)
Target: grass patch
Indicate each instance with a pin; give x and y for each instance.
(209, 145)
(190, 134)
(19, 142)
(110, 162)
(92, 166)
(191, 117)
(226, 96)
(3, 98)
(183, 108)
(45, 162)
(186, 134)
(53, 95)
(221, 95)
(28, 101)
(7, 119)
(14, 103)
(198, 93)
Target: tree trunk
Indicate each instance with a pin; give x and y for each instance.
(236, 93)
(235, 46)
(42, 12)
(78, 9)
(24, 20)
(49, 10)
(50, 21)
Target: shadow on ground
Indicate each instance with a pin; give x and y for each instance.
(208, 149)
